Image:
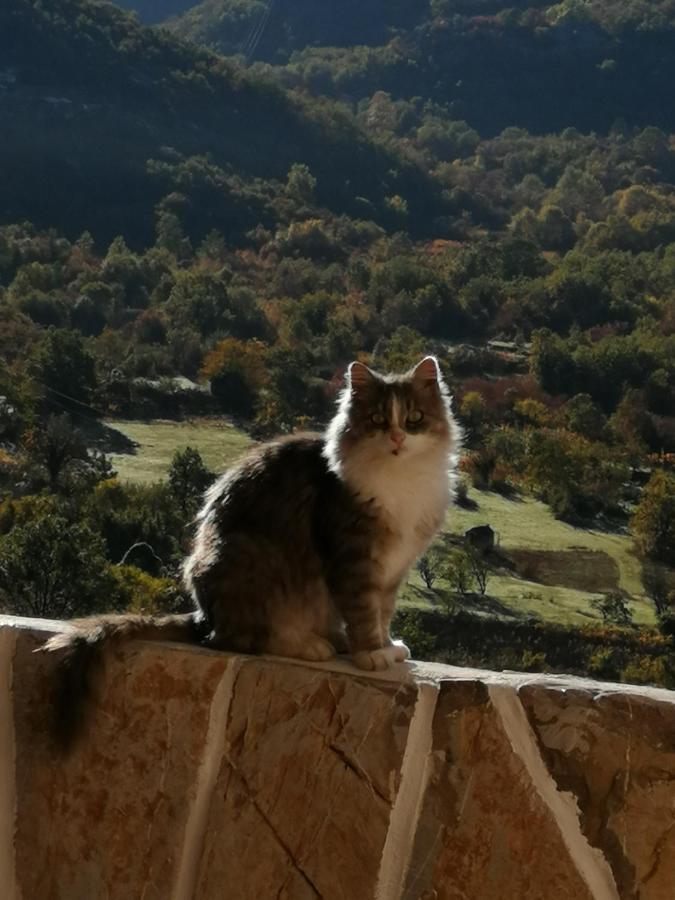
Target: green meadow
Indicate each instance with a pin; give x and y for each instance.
(218, 442)
(559, 568)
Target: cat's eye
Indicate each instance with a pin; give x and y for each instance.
(415, 416)
(377, 419)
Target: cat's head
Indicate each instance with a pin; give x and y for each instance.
(388, 417)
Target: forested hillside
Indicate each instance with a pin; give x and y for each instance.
(538, 65)
(99, 114)
(153, 11)
(184, 235)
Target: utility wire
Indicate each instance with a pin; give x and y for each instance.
(249, 37)
(261, 30)
(49, 390)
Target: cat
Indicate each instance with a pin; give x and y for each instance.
(301, 547)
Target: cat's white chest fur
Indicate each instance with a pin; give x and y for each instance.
(412, 497)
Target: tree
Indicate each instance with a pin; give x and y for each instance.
(555, 230)
(430, 566)
(400, 351)
(479, 569)
(170, 235)
(631, 423)
(199, 299)
(300, 184)
(50, 567)
(468, 571)
(575, 476)
(188, 478)
(123, 270)
(653, 524)
(236, 371)
(64, 368)
(656, 586)
(551, 362)
(473, 411)
(581, 415)
(577, 191)
(55, 446)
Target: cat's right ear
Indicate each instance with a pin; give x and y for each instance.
(358, 376)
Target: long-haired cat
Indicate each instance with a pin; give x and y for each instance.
(301, 547)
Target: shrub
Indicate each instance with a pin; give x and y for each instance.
(52, 568)
(533, 662)
(138, 592)
(410, 626)
(614, 608)
(646, 670)
(601, 663)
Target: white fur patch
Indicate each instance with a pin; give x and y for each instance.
(411, 490)
(395, 420)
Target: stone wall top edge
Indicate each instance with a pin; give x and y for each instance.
(413, 672)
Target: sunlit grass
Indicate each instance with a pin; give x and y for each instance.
(218, 442)
(529, 524)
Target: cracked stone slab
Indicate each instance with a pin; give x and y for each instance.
(484, 831)
(309, 774)
(616, 754)
(108, 821)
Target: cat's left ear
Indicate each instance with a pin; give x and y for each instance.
(427, 372)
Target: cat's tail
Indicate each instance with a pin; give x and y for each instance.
(82, 651)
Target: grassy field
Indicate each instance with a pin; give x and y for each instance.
(156, 442)
(561, 568)
(561, 559)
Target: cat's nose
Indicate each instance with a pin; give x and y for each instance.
(397, 436)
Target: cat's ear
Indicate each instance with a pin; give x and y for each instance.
(359, 376)
(427, 372)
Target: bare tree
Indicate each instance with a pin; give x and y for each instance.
(479, 569)
(430, 566)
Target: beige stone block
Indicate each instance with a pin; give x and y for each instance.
(310, 769)
(615, 752)
(484, 832)
(109, 820)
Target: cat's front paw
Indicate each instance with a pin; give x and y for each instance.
(402, 652)
(382, 658)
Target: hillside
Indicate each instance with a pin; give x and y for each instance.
(536, 65)
(89, 99)
(151, 12)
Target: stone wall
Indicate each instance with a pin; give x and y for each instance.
(208, 775)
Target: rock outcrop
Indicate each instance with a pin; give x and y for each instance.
(206, 775)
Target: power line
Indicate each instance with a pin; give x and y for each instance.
(261, 30)
(97, 412)
(249, 37)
